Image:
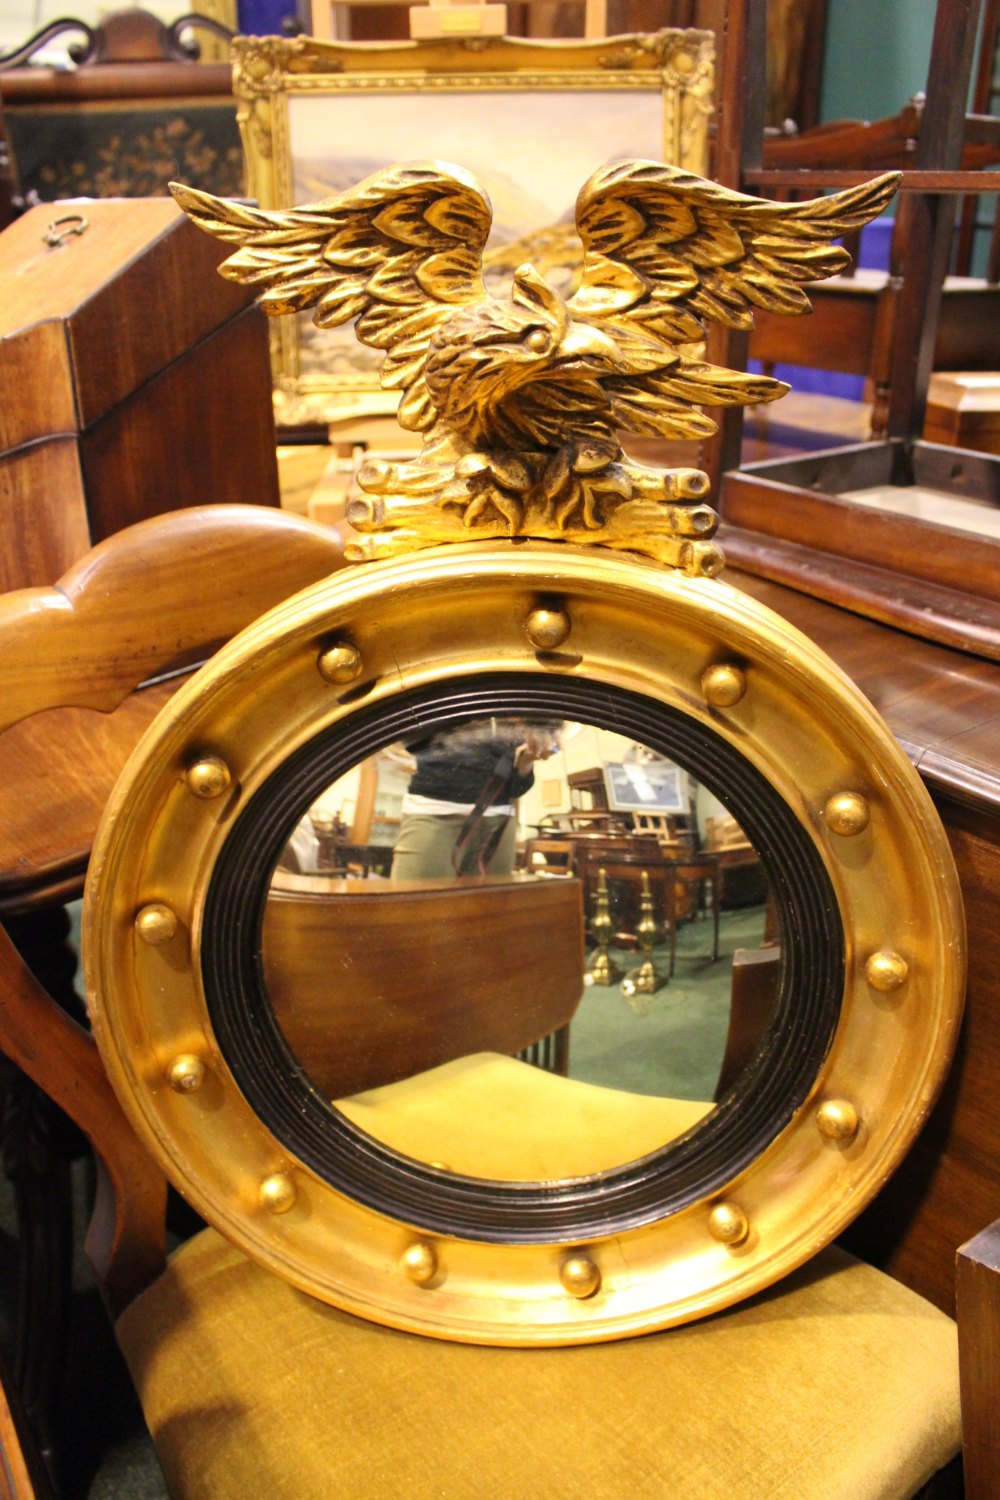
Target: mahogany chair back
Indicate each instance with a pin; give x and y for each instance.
(153, 599)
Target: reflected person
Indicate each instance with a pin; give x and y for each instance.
(458, 813)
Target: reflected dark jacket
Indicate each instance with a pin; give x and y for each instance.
(455, 764)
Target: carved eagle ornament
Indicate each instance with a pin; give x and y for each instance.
(531, 373)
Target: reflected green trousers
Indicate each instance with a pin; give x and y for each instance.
(424, 848)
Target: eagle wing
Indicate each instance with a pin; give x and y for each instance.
(400, 252)
(665, 251)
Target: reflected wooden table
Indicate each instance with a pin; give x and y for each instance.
(679, 883)
(373, 980)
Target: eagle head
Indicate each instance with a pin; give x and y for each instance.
(483, 362)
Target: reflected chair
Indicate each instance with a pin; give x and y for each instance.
(910, 316)
(839, 1382)
(137, 610)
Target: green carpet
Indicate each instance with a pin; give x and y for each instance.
(675, 1048)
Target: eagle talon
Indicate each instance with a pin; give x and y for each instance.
(592, 517)
(474, 510)
(591, 495)
(477, 495)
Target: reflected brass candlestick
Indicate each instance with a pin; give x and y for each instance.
(646, 978)
(602, 969)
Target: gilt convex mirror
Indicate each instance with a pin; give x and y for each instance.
(383, 1072)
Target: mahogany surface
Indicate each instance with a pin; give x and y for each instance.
(185, 438)
(135, 258)
(44, 526)
(793, 520)
(139, 80)
(64, 764)
(372, 981)
(944, 706)
(130, 52)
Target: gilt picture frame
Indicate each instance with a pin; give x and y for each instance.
(530, 119)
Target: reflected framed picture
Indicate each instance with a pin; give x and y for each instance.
(650, 787)
(531, 120)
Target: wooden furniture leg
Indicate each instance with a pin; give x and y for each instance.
(125, 1239)
(22, 1473)
(739, 147)
(718, 880)
(670, 905)
(36, 1164)
(978, 1288)
(755, 978)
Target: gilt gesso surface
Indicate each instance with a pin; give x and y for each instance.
(521, 399)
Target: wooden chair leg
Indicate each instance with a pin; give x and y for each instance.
(37, 1143)
(22, 1473)
(33, 1143)
(718, 883)
(753, 998)
(126, 1237)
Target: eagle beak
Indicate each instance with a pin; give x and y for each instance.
(582, 341)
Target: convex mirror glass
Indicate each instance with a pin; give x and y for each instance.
(521, 947)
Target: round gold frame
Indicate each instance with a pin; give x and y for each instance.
(697, 645)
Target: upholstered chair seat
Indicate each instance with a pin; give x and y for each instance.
(838, 1385)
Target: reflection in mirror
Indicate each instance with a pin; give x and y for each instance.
(520, 949)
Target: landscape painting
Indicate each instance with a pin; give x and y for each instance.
(532, 151)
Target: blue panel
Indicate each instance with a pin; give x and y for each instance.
(263, 17)
(873, 255)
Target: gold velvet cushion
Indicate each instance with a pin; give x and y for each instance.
(838, 1385)
(487, 1115)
